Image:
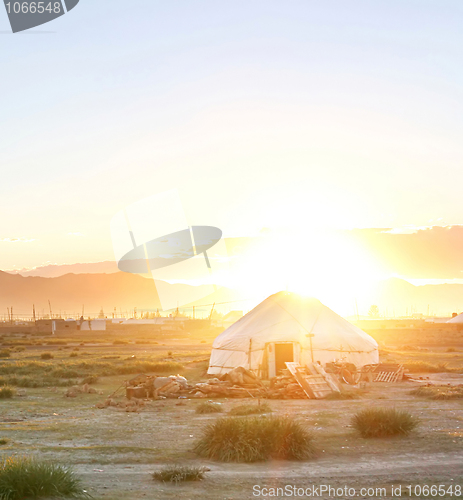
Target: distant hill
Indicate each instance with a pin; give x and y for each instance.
(125, 291)
(55, 270)
(69, 292)
(399, 297)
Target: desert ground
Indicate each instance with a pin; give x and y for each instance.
(115, 452)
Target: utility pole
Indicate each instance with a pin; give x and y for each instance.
(49, 305)
(212, 310)
(33, 311)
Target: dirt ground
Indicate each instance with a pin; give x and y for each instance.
(115, 452)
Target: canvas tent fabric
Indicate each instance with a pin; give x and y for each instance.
(312, 327)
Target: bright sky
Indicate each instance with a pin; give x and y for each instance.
(289, 115)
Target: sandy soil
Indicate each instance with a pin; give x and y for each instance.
(115, 452)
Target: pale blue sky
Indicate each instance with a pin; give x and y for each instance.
(262, 113)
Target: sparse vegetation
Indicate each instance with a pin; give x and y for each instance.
(252, 439)
(46, 355)
(250, 409)
(209, 407)
(344, 394)
(22, 477)
(38, 374)
(439, 392)
(5, 353)
(383, 422)
(425, 367)
(6, 392)
(90, 379)
(179, 473)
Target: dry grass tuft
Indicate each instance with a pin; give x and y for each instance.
(253, 439)
(383, 422)
(179, 474)
(439, 392)
(250, 409)
(209, 407)
(22, 477)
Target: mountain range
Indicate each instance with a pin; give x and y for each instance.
(122, 292)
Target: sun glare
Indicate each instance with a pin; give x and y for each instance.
(322, 264)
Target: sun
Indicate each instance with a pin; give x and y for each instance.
(323, 264)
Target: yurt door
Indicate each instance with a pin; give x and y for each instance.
(280, 353)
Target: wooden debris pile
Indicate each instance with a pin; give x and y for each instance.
(151, 386)
(285, 387)
(238, 383)
(314, 380)
(388, 372)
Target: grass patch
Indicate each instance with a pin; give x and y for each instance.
(179, 473)
(250, 409)
(426, 367)
(209, 407)
(6, 392)
(439, 392)
(253, 439)
(343, 395)
(5, 353)
(40, 374)
(383, 422)
(22, 477)
(90, 379)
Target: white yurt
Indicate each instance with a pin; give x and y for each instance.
(456, 319)
(287, 327)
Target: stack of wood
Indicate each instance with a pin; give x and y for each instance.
(150, 386)
(314, 380)
(238, 383)
(285, 387)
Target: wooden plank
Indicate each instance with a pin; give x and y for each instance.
(315, 386)
(292, 367)
(331, 380)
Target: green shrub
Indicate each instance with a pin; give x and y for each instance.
(47, 355)
(73, 354)
(22, 477)
(439, 392)
(6, 392)
(253, 439)
(383, 422)
(5, 353)
(250, 409)
(4, 441)
(178, 473)
(209, 407)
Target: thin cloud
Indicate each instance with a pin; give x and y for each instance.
(17, 240)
